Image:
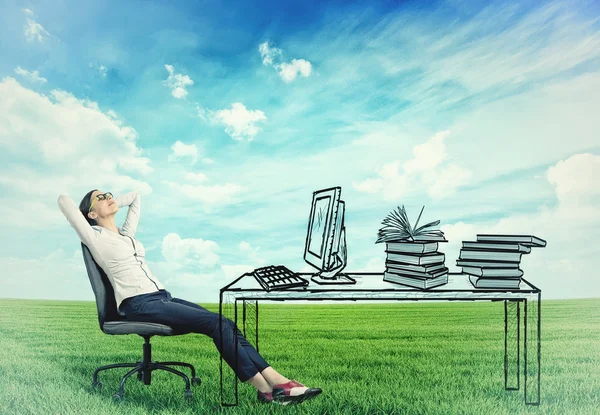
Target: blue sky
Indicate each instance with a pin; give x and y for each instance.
(226, 117)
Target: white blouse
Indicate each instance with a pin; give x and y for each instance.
(120, 255)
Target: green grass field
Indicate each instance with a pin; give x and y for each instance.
(409, 358)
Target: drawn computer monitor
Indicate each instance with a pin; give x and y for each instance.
(325, 247)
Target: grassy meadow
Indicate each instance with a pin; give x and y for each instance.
(405, 358)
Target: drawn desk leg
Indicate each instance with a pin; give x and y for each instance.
(532, 348)
(250, 318)
(227, 375)
(512, 340)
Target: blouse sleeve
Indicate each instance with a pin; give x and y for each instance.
(86, 233)
(131, 199)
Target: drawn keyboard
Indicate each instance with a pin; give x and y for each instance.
(278, 277)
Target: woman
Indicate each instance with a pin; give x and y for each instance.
(141, 297)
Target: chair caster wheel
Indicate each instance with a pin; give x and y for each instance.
(97, 385)
(188, 394)
(118, 397)
(196, 381)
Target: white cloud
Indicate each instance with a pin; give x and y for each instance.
(576, 181)
(268, 53)
(101, 69)
(392, 185)
(219, 194)
(197, 177)
(33, 30)
(251, 253)
(177, 82)
(181, 150)
(195, 252)
(210, 276)
(239, 122)
(288, 71)
(445, 181)
(428, 155)
(372, 265)
(369, 185)
(64, 139)
(427, 164)
(135, 163)
(203, 113)
(24, 213)
(254, 261)
(30, 76)
(235, 271)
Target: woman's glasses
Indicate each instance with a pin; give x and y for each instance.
(107, 195)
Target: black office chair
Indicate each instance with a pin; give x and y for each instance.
(111, 322)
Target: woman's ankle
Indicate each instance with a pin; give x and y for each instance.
(281, 381)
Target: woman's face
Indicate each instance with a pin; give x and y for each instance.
(103, 203)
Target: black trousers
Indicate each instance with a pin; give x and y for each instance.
(186, 317)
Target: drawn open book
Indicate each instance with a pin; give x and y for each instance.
(397, 228)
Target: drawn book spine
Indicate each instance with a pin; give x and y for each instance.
(411, 248)
(479, 282)
(528, 240)
(431, 258)
(487, 264)
(489, 255)
(415, 282)
(407, 273)
(493, 272)
(397, 266)
(505, 246)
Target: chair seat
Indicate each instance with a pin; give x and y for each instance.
(137, 327)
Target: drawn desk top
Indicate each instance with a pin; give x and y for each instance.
(372, 286)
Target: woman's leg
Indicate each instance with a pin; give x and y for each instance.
(259, 381)
(260, 363)
(160, 309)
(266, 372)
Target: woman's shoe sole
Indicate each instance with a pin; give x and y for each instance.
(297, 399)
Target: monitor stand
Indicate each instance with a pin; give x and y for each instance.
(334, 275)
(338, 279)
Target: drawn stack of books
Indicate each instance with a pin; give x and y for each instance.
(412, 256)
(493, 261)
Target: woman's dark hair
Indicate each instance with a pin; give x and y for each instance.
(84, 207)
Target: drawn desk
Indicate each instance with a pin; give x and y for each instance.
(371, 287)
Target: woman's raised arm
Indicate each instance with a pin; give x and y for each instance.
(131, 199)
(86, 233)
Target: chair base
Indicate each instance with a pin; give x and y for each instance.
(144, 370)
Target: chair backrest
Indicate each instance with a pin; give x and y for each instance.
(103, 290)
